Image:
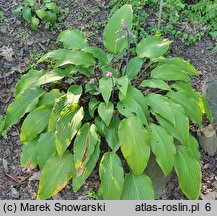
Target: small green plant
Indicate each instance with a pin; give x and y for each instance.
(36, 12)
(64, 129)
(2, 17)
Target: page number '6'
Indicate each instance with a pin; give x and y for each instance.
(208, 207)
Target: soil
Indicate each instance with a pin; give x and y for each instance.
(21, 46)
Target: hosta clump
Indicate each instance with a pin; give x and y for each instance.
(34, 12)
(63, 131)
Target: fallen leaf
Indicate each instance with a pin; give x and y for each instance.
(7, 53)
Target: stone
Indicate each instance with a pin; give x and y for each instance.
(14, 193)
(208, 140)
(209, 196)
(155, 173)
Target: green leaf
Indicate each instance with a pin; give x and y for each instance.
(27, 15)
(17, 11)
(123, 16)
(34, 23)
(105, 88)
(122, 84)
(52, 6)
(59, 105)
(193, 146)
(55, 174)
(181, 63)
(92, 106)
(74, 93)
(29, 155)
(169, 72)
(76, 58)
(129, 108)
(41, 13)
(30, 2)
(188, 172)
(23, 103)
(35, 123)
(163, 148)
(105, 111)
(67, 126)
(100, 125)
(138, 96)
(50, 17)
(54, 55)
(112, 176)
(97, 53)
(152, 47)
(133, 67)
(180, 130)
(160, 105)
(111, 134)
(28, 80)
(133, 138)
(45, 148)
(155, 83)
(137, 187)
(84, 146)
(48, 98)
(57, 74)
(72, 39)
(78, 181)
(190, 106)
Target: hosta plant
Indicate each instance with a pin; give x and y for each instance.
(97, 109)
(35, 12)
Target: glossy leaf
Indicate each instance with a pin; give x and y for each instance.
(190, 106)
(28, 80)
(123, 16)
(133, 139)
(52, 6)
(133, 67)
(180, 130)
(78, 181)
(57, 74)
(27, 15)
(55, 174)
(155, 83)
(161, 106)
(163, 147)
(129, 108)
(17, 11)
(23, 103)
(137, 187)
(41, 13)
(169, 72)
(188, 172)
(35, 123)
(67, 126)
(45, 148)
(34, 23)
(74, 93)
(112, 176)
(76, 58)
(72, 39)
(50, 17)
(111, 134)
(193, 146)
(122, 84)
(84, 146)
(181, 63)
(92, 106)
(97, 53)
(152, 47)
(105, 111)
(28, 157)
(105, 88)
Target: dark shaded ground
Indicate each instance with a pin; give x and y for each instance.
(22, 45)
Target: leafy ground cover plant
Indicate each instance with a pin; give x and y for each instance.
(64, 129)
(36, 12)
